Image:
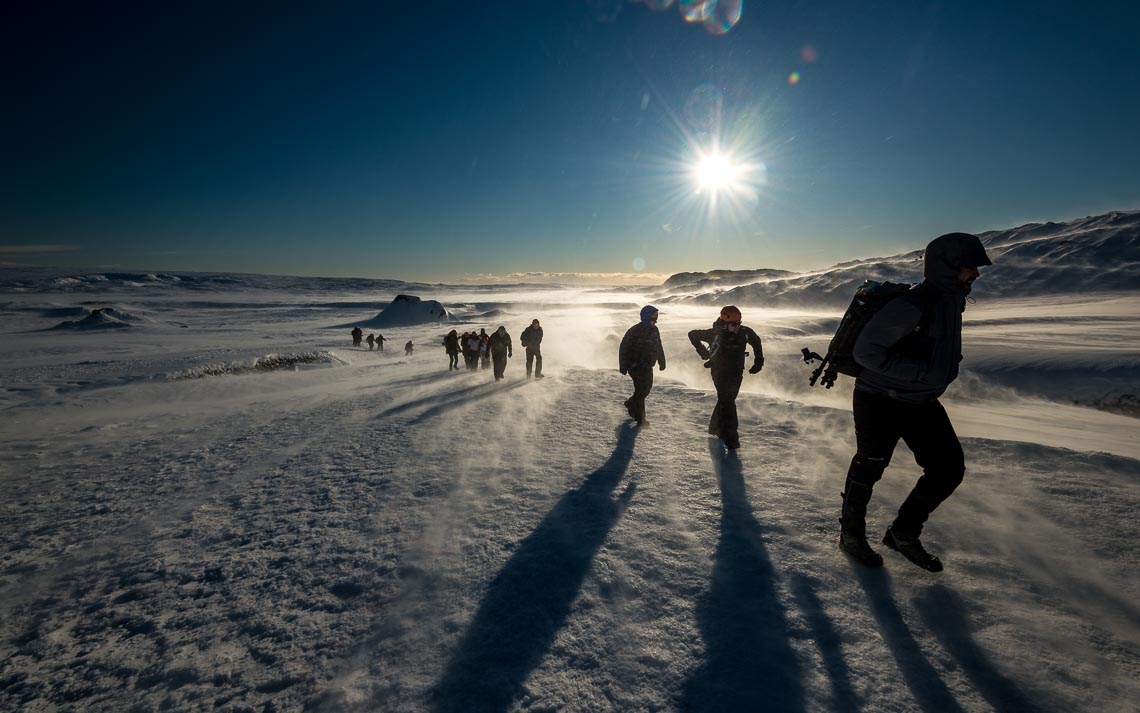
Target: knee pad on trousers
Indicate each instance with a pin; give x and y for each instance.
(867, 470)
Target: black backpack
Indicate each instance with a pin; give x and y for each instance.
(869, 299)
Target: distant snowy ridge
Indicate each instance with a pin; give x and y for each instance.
(269, 362)
(102, 318)
(1093, 254)
(21, 280)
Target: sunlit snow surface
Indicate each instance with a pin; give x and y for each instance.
(226, 506)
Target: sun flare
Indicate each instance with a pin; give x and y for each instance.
(716, 171)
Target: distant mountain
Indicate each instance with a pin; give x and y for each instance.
(1094, 254)
(70, 281)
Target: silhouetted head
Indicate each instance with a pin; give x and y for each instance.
(649, 314)
(951, 262)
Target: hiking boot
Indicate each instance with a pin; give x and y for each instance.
(630, 411)
(912, 550)
(859, 548)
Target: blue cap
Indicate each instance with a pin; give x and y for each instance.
(647, 311)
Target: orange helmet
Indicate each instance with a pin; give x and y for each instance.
(730, 314)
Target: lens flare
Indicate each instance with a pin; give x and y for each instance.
(717, 171)
(723, 16)
(658, 5)
(703, 108)
(794, 78)
(639, 264)
(697, 10)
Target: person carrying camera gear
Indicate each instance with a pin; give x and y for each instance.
(640, 349)
(909, 352)
(357, 335)
(531, 338)
(728, 341)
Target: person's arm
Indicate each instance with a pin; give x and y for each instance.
(698, 338)
(757, 350)
(623, 352)
(660, 350)
(873, 350)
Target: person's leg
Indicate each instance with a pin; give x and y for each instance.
(930, 435)
(537, 362)
(529, 361)
(728, 425)
(642, 385)
(876, 435)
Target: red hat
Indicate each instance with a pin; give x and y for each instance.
(730, 314)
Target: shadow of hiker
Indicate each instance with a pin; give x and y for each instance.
(529, 600)
(439, 403)
(944, 612)
(749, 663)
(829, 641)
(921, 677)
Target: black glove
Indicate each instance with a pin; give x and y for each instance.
(622, 371)
(757, 367)
(708, 364)
(661, 366)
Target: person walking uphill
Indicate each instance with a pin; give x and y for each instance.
(909, 352)
(357, 335)
(725, 355)
(640, 350)
(451, 346)
(500, 350)
(531, 338)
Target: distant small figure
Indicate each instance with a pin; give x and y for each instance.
(371, 341)
(727, 342)
(531, 338)
(380, 341)
(500, 351)
(357, 334)
(640, 350)
(408, 348)
(451, 346)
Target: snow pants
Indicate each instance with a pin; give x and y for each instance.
(534, 359)
(880, 421)
(724, 422)
(453, 361)
(642, 384)
(500, 362)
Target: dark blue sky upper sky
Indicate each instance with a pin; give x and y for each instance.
(428, 140)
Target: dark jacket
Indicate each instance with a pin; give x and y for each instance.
(531, 337)
(451, 343)
(910, 350)
(726, 350)
(500, 343)
(641, 346)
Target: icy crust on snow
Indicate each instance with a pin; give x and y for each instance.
(269, 362)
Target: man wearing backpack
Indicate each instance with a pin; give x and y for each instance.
(728, 339)
(909, 352)
(640, 349)
(531, 338)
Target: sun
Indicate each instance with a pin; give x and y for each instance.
(717, 171)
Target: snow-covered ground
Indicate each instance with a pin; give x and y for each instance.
(221, 505)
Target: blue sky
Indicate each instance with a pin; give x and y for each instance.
(433, 140)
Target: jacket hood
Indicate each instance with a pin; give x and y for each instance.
(647, 312)
(947, 254)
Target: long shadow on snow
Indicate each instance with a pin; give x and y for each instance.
(829, 641)
(749, 663)
(439, 403)
(921, 677)
(944, 612)
(529, 600)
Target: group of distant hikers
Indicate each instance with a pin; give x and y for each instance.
(374, 340)
(481, 350)
(903, 356)
(903, 344)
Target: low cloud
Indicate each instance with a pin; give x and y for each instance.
(569, 278)
(33, 249)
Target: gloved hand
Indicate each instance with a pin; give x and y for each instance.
(661, 366)
(757, 367)
(708, 364)
(623, 372)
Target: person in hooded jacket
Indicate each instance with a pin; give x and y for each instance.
(357, 335)
(500, 351)
(725, 354)
(451, 346)
(909, 352)
(531, 338)
(640, 349)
